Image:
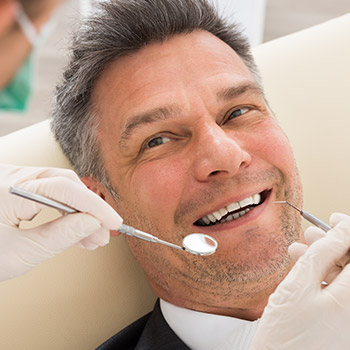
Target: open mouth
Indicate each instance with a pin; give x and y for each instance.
(234, 210)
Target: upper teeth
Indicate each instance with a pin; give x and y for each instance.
(217, 215)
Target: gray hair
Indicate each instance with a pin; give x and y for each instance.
(116, 29)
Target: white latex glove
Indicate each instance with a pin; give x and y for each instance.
(22, 250)
(312, 234)
(303, 314)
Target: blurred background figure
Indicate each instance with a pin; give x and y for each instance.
(7, 14)
(24, 26)
(34, 36)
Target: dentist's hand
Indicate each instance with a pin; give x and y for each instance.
(311, 235)
(304, 314)
(22, 250)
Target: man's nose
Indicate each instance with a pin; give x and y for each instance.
(219, 154)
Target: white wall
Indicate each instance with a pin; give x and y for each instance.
(249, 13)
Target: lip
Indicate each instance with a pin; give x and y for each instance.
(250, 216)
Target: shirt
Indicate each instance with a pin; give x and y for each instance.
(204, 331)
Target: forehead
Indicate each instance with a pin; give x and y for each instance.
(166, 73)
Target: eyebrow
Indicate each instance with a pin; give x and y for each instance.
(169, 111)
(232, 92)
(152, 116)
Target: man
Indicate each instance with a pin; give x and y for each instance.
(162, 114)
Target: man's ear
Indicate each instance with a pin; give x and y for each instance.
(100, 190)
(94, 186)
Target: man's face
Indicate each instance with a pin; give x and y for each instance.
(186, 136)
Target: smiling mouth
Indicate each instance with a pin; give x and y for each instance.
(233, 211)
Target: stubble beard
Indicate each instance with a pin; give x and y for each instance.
(218, 277)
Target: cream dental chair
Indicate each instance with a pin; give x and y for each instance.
(79, 299)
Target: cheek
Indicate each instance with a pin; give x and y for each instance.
(272, 145)
(158, 185)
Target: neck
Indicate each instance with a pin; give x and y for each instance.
(249, 309)
(246, 302)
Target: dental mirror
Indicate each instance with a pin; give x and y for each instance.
(195, 243)
(200, 244)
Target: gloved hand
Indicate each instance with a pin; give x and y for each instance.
(311, 235)
(304, 314)
(22, 250)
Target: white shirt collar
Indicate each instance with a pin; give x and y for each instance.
(203, 331)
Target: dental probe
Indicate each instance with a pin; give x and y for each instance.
(309, 217)
(195, 243)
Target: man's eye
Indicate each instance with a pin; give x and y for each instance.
(160, 140)
(238, 112)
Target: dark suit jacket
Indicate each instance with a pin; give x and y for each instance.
(151, 332)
